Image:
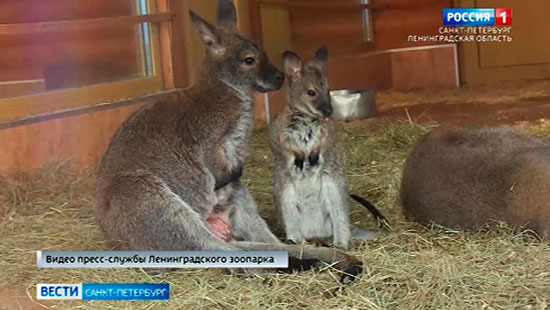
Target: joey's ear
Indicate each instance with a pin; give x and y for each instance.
(321, 57)
(226, 16)
(207, 33)
(292, 65)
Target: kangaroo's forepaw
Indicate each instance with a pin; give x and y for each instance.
(313, 159)
(299, 162)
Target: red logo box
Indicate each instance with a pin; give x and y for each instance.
(503, 17)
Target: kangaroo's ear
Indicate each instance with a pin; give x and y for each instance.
(207, 33)
(226, 14)
(321, 57)
(292, 65)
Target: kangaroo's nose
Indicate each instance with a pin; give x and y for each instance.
(327, 107)
(327, 111)
(279, 76)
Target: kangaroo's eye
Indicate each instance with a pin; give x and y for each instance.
(249, 61)
(311, 93)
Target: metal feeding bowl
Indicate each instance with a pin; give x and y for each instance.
(351, 104)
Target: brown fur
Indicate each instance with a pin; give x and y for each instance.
(470, 178)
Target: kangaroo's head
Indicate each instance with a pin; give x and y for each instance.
(233, 58)
(309, 89)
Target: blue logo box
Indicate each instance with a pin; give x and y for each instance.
(125, 291)
(468, 17)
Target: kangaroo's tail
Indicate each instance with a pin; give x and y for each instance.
(383, 223)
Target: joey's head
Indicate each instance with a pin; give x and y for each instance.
(232, 57)
(308, 85)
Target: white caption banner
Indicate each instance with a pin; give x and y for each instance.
(162, 259)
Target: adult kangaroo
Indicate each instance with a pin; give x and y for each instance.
(469, 178)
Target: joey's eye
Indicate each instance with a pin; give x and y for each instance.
(311, 93)
(249, 61)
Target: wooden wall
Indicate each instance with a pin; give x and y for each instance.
(375, 72)
(82, 137)
(525, 58)
(425, 68)
(341, 30)
(401, 69)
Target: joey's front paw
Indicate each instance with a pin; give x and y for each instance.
(313, 159)
(299, 162)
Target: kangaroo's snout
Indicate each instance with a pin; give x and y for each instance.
(326, 107)
(272, 79)
(279, 76)
(327, 111)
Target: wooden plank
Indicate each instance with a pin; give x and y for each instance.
(314, 5)
(19, 88)
(177, 41)
(20, 107)
(150, 98)
(172, 45)
(423, 68)
(32, 11)
(241, 10)
(378, 5)
(277, 32)
(166, 48)
(360, 71)
(255, 21)
(405, 5)
(26, 28)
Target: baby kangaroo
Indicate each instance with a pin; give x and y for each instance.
(170, 178)
(468, 178)
(309, 186)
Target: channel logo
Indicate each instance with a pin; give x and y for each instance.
(104, 291)
(477, 17)
(59, 291)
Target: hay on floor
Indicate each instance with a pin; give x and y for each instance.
(413, 267)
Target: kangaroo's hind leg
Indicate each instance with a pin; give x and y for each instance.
(141, 213)
(245, 219)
